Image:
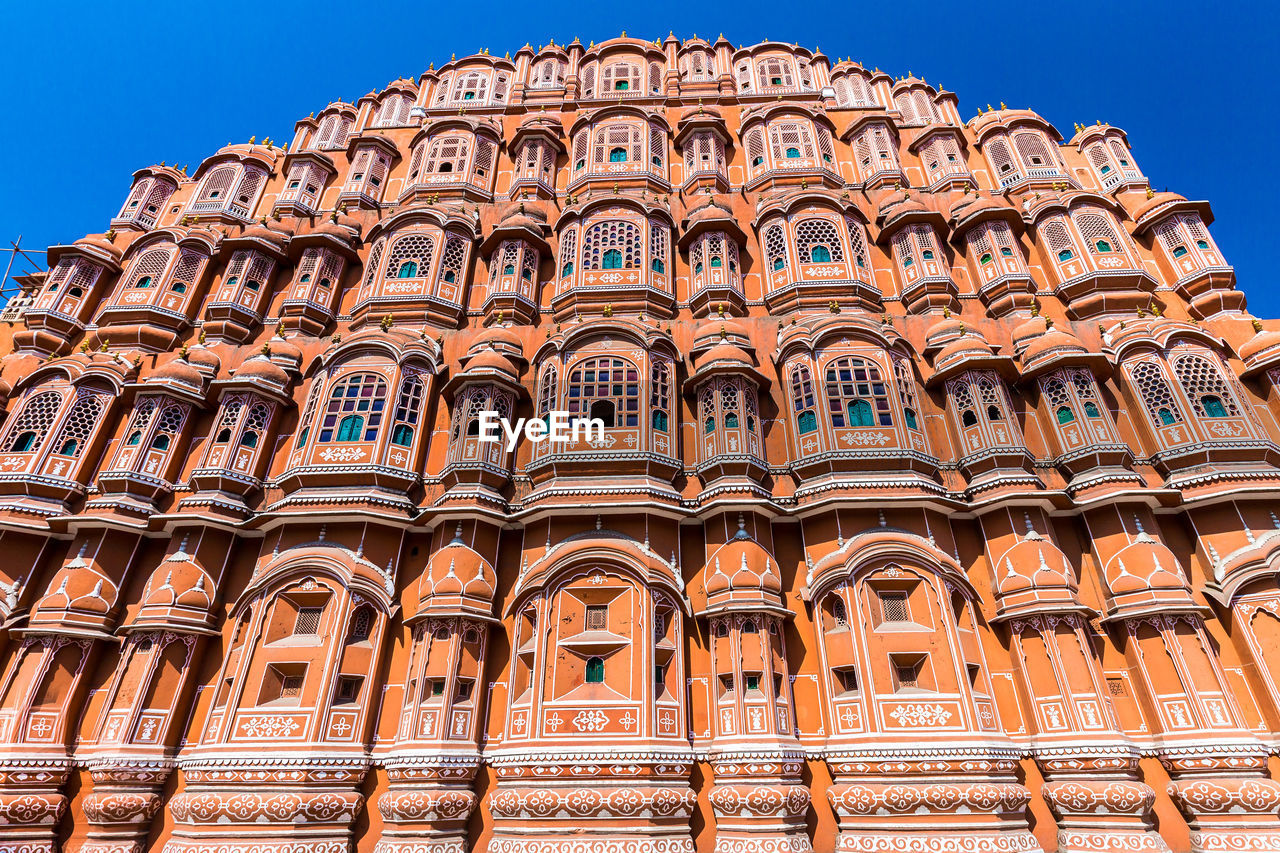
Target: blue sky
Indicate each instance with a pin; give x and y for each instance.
(93, 91)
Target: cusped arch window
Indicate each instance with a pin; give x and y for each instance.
(355, 409)
(857, 394)
(606, 388)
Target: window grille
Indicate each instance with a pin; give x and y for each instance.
(361, 625)
(355, 408)
(410, 257)
(291, 687)
(308, 621)
(857, 396)
(408, 408)
(1001, 160)
(754, 143)
(907, 675)
(1199, 379)
(791, 136)
(812, 233)
(620, 77)
(597, 617)
(838, 611)
(657, 246)
(37, 417)
(906, 389)
(660, 394)
(893, 605)
(86, 414)
(1034, 150)
(612, 381)
(775, 72)
(1157, 395)
(618, 235)
(453, 259)
(1096, 228)
(547, 392)
(801, 388)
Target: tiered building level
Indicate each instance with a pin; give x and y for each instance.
(936, 508)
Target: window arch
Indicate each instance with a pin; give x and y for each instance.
(620, 236)
(660, 395)
(1100, 238)
(857, 395)
(1157, 395)
(775, 247)
(802, 400)
(355, 409)
(410, 257)
(606, 388)
(1203, 383)
(30, 428)
(818, 241)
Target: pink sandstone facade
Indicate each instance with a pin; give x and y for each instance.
(936, 508)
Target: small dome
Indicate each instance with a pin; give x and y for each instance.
(180, 371)
(1033, 562)
(1156, 201)
(1052, 342)
(968, 345)
(523, 214)
(269, 231)
(500, 338)
(1264, 341)
(948, 328)
(178, 582)
(457, 577)
(723, 355)
(204, 359)
(285, 352)
(716, 330)
(492, 361)
(742, 568)
(263, 369)
(1142, 565)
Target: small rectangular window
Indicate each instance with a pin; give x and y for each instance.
(291, 687)
(597, 617)
(753, 682)
(907, 675)
(463, 692)
(436, 687)
(348, 688)
(308, 622)
(893, 605)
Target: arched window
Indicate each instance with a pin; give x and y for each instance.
(857, 395)
(355, 409)
(595, 670)
(410, 256)
(1065, 415)
(775, 246)
(33, 424)
(613, 382)
(361, 625)
(614, 244)
(818, 241)
(1157, 395)
(618, 155)
(1202, 382)
(660, 394)
(802, 399)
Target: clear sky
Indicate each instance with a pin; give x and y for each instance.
(93, 91)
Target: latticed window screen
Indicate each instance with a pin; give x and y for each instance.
(907, 675)
(410, 257)
(1122, 155)
(547, 74)
(147, 269)
(548, 391)
(775, 247)
(620, 77)
(597, 617)
(453, 259)
(1098, 232)
(568, 251)
(142, 414)
(472, 86)
(852, 91)
(857, 395)
(217, 184)
(893, 605)
(355, 408)
(408, 409)
(801, 388)
(791, 140)
(308, 621)
(660, 394)
(775, 71)
(617, 236)
(818, 241)
(1202, 382)
(172, 417)
(1034, 150)
(255, 425)
(619, 143)
(906, 383)
(394, 111)
(291, 685)
(187, 269)
(1157, 395)
(447, 154)
(589, 80)
(657, 246)
(606, 379)
(333, 131)
(1057, 238)
(1001, 160)
(37, 417)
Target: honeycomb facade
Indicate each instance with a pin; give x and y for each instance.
(935, 508)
